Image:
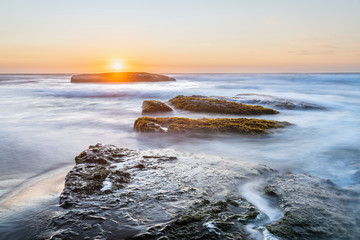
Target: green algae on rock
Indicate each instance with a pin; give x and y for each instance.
(210, 105)
(206, 125)
(120, 77)
(154, 106)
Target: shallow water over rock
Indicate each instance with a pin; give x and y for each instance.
(149, 190)
(313, 208)
(118, 193)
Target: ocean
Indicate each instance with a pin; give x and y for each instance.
(45, 121)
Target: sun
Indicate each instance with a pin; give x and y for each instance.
(117, 65)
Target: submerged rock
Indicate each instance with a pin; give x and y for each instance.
(276, 102)
(206, 125)
(313, 208)
(210, 105)
(153, 106)
(120, 77)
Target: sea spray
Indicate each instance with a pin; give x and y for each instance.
(252, 192)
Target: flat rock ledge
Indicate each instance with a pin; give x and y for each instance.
(154, 106)
(118, 193)
(207, 125)
(120, 77)
(209, 105)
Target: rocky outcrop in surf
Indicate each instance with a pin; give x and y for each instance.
(120, 77)
(313, 208)
(154, 106)
(276, 102)
(118, 193)
(207, 125)
(210, 105)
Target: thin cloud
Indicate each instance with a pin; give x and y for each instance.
(312, 52)
(323, 49)
(328, 46)
(271, 21)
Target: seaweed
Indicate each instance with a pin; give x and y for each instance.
(222, 125)
(153, 106)
(210, 105)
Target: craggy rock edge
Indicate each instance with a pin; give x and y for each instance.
(313, 208)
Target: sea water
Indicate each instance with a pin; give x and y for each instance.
(45, 121)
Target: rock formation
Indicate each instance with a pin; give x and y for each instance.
(210, 105)
(153, 106)
(206, 125)
(118, 193)
(314, 208)
(120, 77)
(276, 102)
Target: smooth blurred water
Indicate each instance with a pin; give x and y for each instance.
(45, 121)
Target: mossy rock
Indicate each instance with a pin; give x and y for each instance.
(210, 105)
(206, 125)
(153, 106)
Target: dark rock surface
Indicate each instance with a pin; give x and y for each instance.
(117, 193)
(153, 106)
(276, 102)
(207, 125)
(224, 219)
(210, 105)
(314, 208)
(120, 77)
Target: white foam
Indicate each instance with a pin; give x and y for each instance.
(251, 191)
(267, 234)
(107, 184)
(210, 226)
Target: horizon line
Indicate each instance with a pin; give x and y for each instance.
(40, 73)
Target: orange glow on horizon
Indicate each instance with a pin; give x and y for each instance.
(170, 37)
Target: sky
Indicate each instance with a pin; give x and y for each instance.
(174, 36)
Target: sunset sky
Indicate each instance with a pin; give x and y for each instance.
(77, 36)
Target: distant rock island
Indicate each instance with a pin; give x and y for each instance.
(120, 77)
